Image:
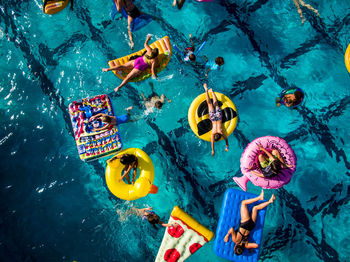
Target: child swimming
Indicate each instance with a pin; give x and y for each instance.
(291, 97)
(151, 217)
(213, 65)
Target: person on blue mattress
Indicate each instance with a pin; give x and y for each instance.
(215, 116)
(132, 11)
(138, 65)
(270, 164)
(290, 99)
(130, 161)
(109, 122)
(211, 65)
(151, 217)
(247, 224)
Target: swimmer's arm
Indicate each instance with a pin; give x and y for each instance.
(212, 144)
(190, 35)
(143, 210)
(251, 245)
(149, 50)
(257, 173)
(163, 97)
(167, 225)
(125, 173)
(206, 73)
(143, 97)
(153, 70)
(101, 128)
(93, 117)
(226, 140)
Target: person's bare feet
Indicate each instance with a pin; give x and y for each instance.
(303, 21)
(273, 197)
(261, 196)
(132, 45)
(228, 235)
(116, 89)
(174, 3)
(129, 108)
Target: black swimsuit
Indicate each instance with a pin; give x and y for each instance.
(135, 12)
(248, 225)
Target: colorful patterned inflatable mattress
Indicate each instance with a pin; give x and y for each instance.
(93, 144)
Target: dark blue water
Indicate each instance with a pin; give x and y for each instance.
(55, 207)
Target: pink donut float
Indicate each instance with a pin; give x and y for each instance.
(250, 159)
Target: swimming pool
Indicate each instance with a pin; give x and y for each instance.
(55, 206)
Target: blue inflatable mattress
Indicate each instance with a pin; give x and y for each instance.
(230, 217)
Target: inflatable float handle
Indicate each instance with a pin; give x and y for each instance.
(242, 182)
(179, 51)
(200, 48)
(154, 189)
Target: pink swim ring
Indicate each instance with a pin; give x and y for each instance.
(250, 159)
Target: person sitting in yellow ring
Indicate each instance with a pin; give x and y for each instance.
(215, 116)
(130, 162)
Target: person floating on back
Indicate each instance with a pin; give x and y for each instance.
(290, 100)
(213, 65)
(297, 3)
(247, 224)
(138, 65)
(189, 52)
(215, 116)
(132, 12)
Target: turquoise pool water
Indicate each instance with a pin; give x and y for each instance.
(58, 208)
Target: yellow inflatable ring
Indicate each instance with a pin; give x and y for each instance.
(142, 186)
(165, 50)
(347, 58)
(53, 7)
(198, 116)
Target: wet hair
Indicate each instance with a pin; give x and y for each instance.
(127, 159)
(192, 57)
(153, 219)
(219, 60)
(158, 104)
(238, 249)
(275, 167)
(106, 119)
(154, 53)
(217, 137)
(298, 97)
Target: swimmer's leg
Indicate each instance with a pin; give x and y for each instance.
(210, 105)
(215, 100)
(244, 206)
(261, 206)
(130, 76)
(130, 33)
